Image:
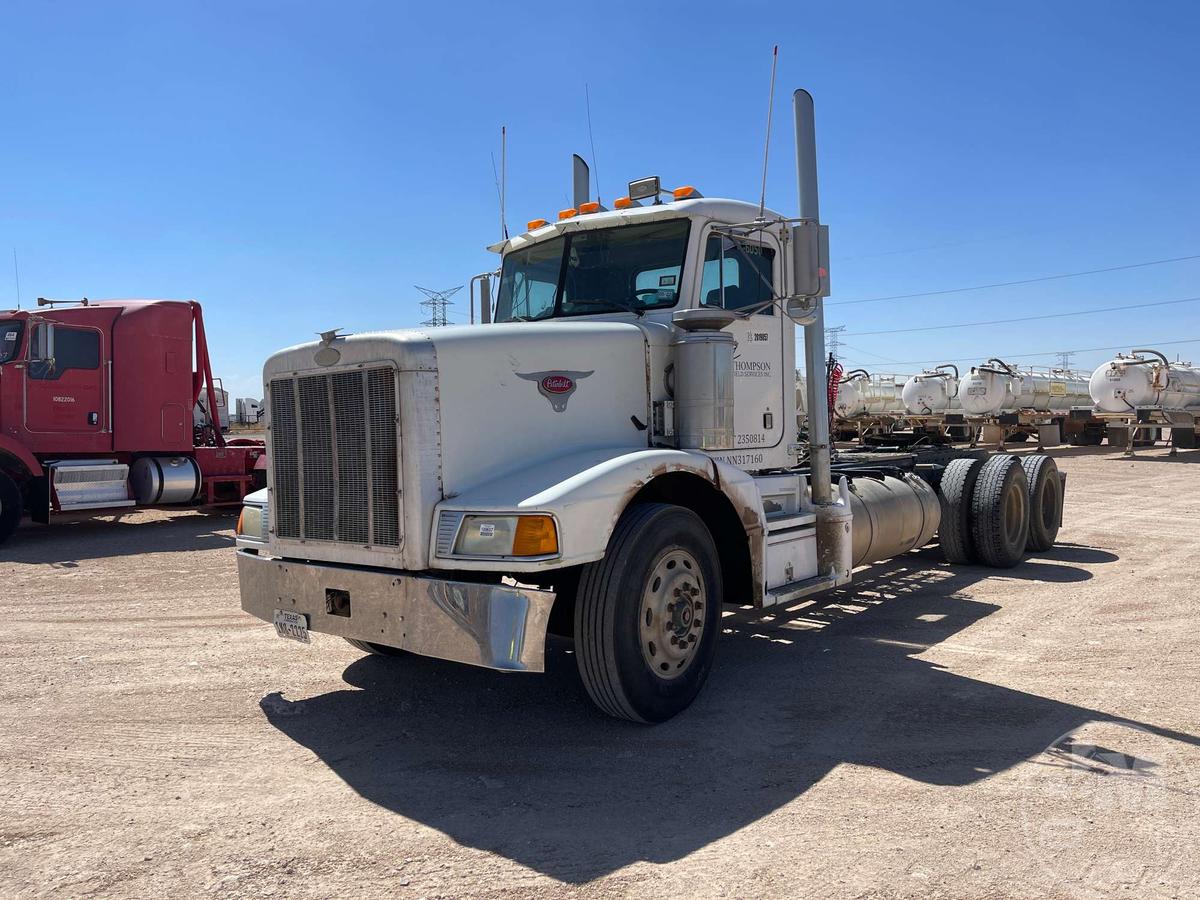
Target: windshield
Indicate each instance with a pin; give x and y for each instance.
(10, 339)
(627, 268)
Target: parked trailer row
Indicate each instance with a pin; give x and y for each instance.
(994, 402)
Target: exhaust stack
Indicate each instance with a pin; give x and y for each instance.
(581, 182)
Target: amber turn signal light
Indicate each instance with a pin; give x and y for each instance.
(535, 536)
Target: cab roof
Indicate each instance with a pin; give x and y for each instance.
(731, 211)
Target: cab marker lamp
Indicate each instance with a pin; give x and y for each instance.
(567, 214)
(534, 224)
(592, 207)
(485, 535)
(625, 203)
(687, 192)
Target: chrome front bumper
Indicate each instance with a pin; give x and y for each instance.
(496, 626)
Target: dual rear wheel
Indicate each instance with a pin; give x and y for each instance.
(995, 510)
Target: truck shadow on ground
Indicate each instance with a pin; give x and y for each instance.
(524, 767)
(66, 541)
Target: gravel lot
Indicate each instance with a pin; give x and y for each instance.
(932, 732)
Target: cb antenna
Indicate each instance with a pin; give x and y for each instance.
(587, 98)
(503, 179)
(762, 203)
(17, 277)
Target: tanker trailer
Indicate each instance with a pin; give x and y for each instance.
(934, 410)
(932, 393)
(1144, 391)
(1010, 404)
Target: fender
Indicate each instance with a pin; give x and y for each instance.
(22, 455)
(586, 494)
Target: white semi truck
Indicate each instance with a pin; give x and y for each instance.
(610, 456)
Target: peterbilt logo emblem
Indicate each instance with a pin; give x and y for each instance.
(557, 387)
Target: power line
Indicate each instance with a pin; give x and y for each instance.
(999, 284)
(1007, 356)
(1064, 315)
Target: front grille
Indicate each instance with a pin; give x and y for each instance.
(334, 456)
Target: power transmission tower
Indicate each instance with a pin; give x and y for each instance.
(437, 301)
(832, 340)
(1064, 359)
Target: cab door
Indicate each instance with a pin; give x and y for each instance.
(65, 391)
(742, 274)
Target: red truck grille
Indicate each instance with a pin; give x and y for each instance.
(333, 452)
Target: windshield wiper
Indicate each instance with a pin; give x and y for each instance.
(619, 304)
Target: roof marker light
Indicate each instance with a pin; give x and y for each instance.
(625, 203)
(591, 207)
(534, 224)
(567, 214)
(687, 192)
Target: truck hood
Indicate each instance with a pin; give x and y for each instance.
(507, 396)
(515, 396)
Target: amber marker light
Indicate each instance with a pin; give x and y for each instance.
(535, 536)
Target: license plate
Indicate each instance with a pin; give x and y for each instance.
(292, 625)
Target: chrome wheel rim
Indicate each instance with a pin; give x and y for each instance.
(671, 616)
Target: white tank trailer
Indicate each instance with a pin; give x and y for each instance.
(995, 388)
(861, 394)
(1145, 379)
(1137, 394)
(932, 393)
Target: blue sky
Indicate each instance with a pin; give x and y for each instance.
(299, 166)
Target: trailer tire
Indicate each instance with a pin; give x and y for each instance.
(376, 649)
(1087, 436)
(1045, 501)
(1183, 438)
(1000, 512)
(647, 615)
(11, 507)
(954, 530)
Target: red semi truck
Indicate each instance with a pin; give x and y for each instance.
(96, 411)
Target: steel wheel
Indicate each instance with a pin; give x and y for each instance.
(672, 618)
(1015, 516)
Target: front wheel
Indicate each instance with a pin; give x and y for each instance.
(647, 614)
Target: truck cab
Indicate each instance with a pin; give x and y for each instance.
(612, 457)
(96, 410)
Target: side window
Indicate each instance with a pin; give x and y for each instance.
(744, 270)
(57, 349)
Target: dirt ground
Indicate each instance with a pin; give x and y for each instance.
(936, 731)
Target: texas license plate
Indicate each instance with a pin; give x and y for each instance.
(292, 625)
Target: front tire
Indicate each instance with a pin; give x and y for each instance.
(11, 507)
(647, 614)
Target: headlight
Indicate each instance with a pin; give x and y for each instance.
(506, 536)
(252, 523)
